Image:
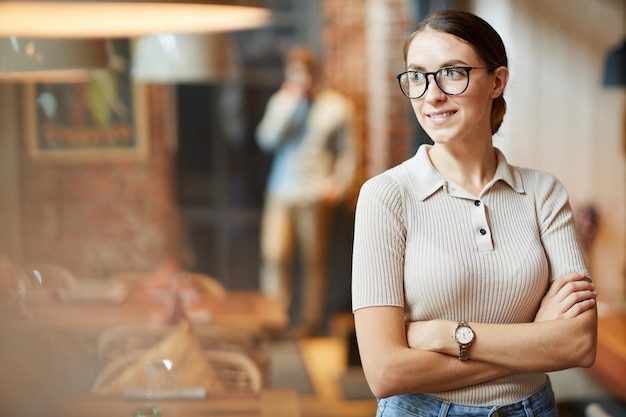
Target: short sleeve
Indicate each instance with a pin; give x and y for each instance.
(379, 245)
(557, 227)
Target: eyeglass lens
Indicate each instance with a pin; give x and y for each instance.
(451, 80)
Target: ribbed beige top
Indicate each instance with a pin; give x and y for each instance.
(423, 243)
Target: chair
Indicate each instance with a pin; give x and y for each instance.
(213, 337)
(131, 279)
(211, 285)
(112, 369)
(235, 370)
(119, 340)
(202, 282)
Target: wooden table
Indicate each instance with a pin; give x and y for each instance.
(269, 403)
(35, 352)
(610, 366)
(247, 310)
(325, 359)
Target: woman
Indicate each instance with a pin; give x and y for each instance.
(468, 281)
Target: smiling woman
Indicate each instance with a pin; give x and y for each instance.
(460, 309)
(472, 101)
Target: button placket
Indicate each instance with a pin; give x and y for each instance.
(481, 226)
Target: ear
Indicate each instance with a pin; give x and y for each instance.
(501, 77)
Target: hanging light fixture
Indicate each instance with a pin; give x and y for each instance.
(186, 58)
(130, 18)
(51, 60)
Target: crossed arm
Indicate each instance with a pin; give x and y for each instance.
(421, 356)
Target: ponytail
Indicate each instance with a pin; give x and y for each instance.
(498, 108)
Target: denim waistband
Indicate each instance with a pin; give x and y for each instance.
(424, 405)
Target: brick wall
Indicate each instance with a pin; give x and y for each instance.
(362, 43)
(99, 218)
(344, 59)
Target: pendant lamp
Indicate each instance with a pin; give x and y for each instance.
(126, 18)
(51, 60)
(186, 58)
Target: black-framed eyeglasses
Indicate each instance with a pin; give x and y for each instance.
(452, 80)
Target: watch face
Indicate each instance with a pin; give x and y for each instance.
(464, 335)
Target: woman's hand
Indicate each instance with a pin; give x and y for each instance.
(430, 335)
(568, 296)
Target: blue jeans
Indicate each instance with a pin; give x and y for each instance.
(539, 404)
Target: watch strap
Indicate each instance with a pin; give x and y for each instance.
(464, 351)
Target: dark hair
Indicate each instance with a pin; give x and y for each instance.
(480, 35)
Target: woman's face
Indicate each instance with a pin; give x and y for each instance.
(446, 118)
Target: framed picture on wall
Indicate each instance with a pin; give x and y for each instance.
(100, 120)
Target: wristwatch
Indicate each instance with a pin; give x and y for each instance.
(464, 336)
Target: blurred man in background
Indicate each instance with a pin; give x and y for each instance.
(309, 128)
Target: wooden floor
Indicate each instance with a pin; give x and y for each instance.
(326, 362)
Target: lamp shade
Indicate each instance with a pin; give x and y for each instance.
(126, 18)
(29, 59)
(615, 67)
(186, 58)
